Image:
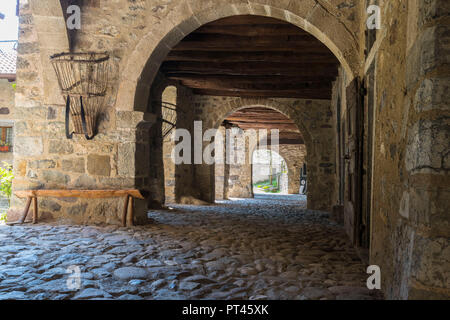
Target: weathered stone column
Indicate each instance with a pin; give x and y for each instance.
(220, 169)
(424, 205)
(134, 156)
(239, 171)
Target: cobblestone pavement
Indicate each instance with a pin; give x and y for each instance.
(245, 249)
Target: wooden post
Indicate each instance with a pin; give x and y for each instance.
(25, 211)
(125, 211)
(35, 210)
(131, 221)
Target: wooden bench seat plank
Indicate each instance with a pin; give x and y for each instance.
(90, 194)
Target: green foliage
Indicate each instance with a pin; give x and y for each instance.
(6, 177)
(14, 86)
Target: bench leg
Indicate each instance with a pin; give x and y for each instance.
(131, 221)
(35, 210)
(125, 211)
(25, 211)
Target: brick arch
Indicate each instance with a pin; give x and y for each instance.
(144, 61)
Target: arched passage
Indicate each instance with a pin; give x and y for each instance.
(256, 127)
(145, 60)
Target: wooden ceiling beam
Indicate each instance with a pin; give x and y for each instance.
(246, 20)
(237, 85)
(300, 94)
(251, 68)
(250, 56)
(252, 30)
(248, 79)
(268, 126)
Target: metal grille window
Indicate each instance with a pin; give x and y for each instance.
(6, 139)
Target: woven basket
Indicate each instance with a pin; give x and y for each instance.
(83, 80)
(78, 126)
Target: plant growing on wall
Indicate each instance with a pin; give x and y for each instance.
(6, 177)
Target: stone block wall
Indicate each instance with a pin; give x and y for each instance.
(6, 99)
(295, 156)
(411, 224)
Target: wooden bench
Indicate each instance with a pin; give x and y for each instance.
(32, 196)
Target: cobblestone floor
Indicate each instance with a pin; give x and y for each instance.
(244, 249)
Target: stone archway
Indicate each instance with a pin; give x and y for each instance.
(312, 16)
(318, 136)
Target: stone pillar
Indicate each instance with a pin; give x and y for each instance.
(134, 131)
(239, 170)
(220, 170)
(424, 205)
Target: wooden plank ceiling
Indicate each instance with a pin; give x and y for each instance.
(252, 56)
(264, 118)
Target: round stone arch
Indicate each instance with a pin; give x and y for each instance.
(142, 64)
(213, 121)
(283, 108)
(317, 198)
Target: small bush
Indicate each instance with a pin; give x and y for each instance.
(6, 177)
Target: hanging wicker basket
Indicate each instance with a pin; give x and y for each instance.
(83, 80)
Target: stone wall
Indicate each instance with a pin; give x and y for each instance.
(295, 156)
(44, 158)
(6, 99)
(411, 224)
